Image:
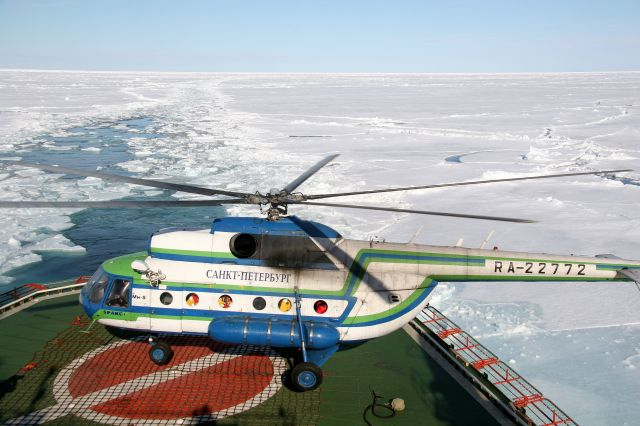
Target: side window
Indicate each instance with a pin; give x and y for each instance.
(119, 296)
(97, 286)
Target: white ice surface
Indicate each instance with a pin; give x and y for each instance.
(579, 343)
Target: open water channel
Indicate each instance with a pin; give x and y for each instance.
(104, 233)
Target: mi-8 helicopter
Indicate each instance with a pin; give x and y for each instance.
(285, 282)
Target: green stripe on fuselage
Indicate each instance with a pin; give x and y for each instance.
(134, 316)
(122, 266)
(426, 285)
(442, 278)
(359, 268)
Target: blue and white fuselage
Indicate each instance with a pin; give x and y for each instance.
(242, 282)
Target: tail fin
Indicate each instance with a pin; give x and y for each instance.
(632, 274)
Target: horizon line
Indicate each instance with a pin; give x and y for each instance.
(99, 71)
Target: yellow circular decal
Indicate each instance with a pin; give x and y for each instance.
(284, 305)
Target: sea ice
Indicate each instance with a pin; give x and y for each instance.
(256, 132)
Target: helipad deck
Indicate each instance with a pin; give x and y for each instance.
(50, 367)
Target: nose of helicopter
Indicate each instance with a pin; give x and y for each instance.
(88, 307)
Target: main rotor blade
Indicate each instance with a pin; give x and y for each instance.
(119, 178)
(127, 204)
(390, 209)
(473, 182)
(306, 175)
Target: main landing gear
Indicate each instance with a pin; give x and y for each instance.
(306, 376)
(160, 352)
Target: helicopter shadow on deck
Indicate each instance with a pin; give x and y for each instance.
(9, 385)
(42, 388)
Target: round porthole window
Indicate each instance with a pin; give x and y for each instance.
(166, 298)
(259, 303)
(243, 245)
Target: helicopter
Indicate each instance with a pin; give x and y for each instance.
(286, 282)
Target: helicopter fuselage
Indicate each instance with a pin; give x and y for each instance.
(240, 282)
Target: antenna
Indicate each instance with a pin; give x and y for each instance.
(415, 234)
(486, 240)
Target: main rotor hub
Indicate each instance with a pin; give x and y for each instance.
(277, 200)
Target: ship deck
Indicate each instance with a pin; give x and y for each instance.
(51, 367)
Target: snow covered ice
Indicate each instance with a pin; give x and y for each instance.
(578, 342)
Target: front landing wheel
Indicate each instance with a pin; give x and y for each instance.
(306, 376)
(160, 353)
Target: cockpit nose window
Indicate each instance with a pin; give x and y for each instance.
(119, 296)
(97, 285)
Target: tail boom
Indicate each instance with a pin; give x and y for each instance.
(494, 265)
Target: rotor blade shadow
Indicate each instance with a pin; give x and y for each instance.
(350, 264)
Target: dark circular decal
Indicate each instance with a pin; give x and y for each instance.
(166, 298)
(259, 303)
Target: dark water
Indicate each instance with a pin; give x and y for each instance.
(455, 158)
(105, 233)
(624, 180)
(110, 138)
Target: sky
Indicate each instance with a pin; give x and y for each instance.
(321, 36)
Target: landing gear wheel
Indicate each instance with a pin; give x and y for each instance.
(160, 353)
(306, 376)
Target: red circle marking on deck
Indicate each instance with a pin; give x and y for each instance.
(128, 362)
(203, 380)
(213, 389)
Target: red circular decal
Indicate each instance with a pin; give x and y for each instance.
(320, 306)
(119, 384)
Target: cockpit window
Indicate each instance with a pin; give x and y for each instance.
(119, 296)
(97, 285)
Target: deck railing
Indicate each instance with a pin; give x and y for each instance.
(27, 295)
(504, 386)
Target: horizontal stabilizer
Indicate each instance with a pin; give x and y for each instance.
(632, 274)
(608, 256)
